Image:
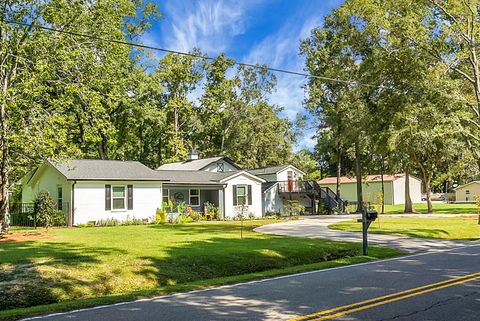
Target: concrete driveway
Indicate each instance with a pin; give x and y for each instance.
(317, 227)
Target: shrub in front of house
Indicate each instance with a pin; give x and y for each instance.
(160, 216)
(44, 209)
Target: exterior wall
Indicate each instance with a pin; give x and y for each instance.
(272, 201)
(213, 167)
(48, 179)
(89, 201)
(348, 191)
(399, 190)
(394, 191)
(256, 208)
(461, 192)
(283, 174)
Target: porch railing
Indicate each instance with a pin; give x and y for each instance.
(295, 187)
(325, 194)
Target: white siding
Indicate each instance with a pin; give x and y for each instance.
(213, 167)
(272, 201)
(46, 178)
(399, 190)
(283, 174)
(89, 201)
(256, 208)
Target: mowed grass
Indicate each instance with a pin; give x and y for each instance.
(460, 228)
(107, 264)
(438, 208)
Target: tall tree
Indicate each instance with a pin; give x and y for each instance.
(333, 52)
(52, 80)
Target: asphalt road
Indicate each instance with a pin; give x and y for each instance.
(293, 296)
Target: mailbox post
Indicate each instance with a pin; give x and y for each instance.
(368, 216)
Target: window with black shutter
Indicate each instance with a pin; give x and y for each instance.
(108, 197)
(234, 195)
(130, 197)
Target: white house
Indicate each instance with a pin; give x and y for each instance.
(90, 190)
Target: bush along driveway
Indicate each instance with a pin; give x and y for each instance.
(89, 266)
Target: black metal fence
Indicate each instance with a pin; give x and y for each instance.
(23, 215)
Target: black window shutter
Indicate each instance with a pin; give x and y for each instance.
(108, 197)
(130, 197)
(249, 194)
(234, 194)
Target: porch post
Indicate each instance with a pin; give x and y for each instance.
(221, 202)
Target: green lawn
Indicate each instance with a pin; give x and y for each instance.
(107, 264)
(438, 208)
(462, 228)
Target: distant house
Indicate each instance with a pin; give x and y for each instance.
(90, 190)
(394, 186)
(466, 193)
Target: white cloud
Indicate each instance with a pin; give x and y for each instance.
(209, 25)
(281, 50)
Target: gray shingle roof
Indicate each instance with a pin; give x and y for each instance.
(267, 185)
(194, 165)
(93, 169)
(194, 177)
(267, 170)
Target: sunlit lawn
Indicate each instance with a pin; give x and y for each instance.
(95, 262)
(438, 208)
(449, 228)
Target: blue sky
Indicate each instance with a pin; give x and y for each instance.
(252, 31)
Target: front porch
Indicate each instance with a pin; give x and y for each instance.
(194, 196)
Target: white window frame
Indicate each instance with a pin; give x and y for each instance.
(59, 199)
(190, 196)
(222, 166)
(167, 196)
(124, 198)
(467, 192)
(245, 186)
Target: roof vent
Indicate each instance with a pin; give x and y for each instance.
(193, 155)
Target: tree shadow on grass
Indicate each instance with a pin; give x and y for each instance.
(222, 257)
(22, 283)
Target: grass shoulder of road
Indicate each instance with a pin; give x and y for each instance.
(455, 228)
(438, 208)
(82, 267)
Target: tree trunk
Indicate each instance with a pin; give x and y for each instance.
(102, 147)
(408, 199)
(428, 193)
(383, 193)
(339, 170)
(427, 178)
(4, 165)
(4, 179)
(358, 173)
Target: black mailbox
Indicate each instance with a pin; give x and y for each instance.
(371, 215)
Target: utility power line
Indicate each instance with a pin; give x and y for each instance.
(138, 45)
